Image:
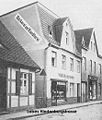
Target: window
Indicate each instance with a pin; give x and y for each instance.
(78, 66)
(99, 89)
(100, 69)
(54, 59)
(94, 67)
(94, 47)
(91, 45)
(90, 65)
(50, 31)
(71, 64)
(84, 63)
(23, 83)
(71, 89)
(63, 62)
(67, 38)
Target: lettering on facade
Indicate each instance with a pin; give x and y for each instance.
(92, 77)
(65, 76)
(27, 28)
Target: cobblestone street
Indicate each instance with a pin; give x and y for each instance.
(92, 112)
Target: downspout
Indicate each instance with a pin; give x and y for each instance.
(45, 82)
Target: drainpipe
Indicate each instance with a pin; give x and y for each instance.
(81, 80)
(44, 83)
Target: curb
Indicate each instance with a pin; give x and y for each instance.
(22, 117)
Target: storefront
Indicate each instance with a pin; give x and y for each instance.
(58, 92)
(92, 87)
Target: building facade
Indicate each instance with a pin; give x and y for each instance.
(17, 74)
(91, 65)
(50, 41)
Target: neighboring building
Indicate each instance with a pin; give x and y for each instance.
(17, 74)
(49, 40)
(91, 64)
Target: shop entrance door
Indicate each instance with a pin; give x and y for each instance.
(58, 92)
(84, 92)
(92, 90)
(2, 93)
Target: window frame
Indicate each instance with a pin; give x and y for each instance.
(78, 66)
(71, 64)
(63, 61)
(54, 59)
(67, 37)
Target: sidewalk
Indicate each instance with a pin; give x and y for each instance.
(25, 114)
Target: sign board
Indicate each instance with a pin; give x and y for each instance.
(65, 76)
(27, 28)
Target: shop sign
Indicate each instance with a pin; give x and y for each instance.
(65, 76)
(27, 28)
(92, 77)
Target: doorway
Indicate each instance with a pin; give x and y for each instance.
(84, 91)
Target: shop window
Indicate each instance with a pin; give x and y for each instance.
(78, 66)
(63, 62)
(84, 63)
(23, 83)
(54, 59)
(94, 67)
(71, 64)
(67, 38)
(58, 90)
(71, 89)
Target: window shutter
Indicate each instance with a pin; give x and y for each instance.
(30, 83)
(17, 82)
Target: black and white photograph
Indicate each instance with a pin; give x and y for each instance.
(50, 60)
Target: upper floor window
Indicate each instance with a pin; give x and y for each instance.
(94, 67)
(84, 63)
(71, 64)
(67, 38)
(54, 59)
(63, 62)
(100, 69)
(94, 47)
(78, 66)
(50, 30)
(90, 65)
(91, 45)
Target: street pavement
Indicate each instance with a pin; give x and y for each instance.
(39, 112)
(92, 112)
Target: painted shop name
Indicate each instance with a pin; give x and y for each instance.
(65, 76)
(27, 28)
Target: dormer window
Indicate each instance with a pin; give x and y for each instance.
(50, 31)
(67, 38)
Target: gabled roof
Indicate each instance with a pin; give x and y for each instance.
(55, 22)
(12, 51)
(80, 34)
(60, 21)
